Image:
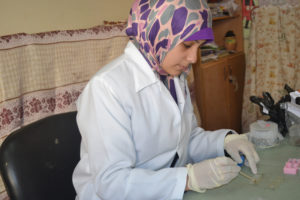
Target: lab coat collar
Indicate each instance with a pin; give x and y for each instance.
(142, 73)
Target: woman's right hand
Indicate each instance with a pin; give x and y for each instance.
(211, 173)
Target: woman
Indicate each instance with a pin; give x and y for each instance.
(140, 139)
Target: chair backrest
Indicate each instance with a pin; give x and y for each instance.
(37, 161)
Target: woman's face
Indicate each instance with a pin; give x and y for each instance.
(180, 57)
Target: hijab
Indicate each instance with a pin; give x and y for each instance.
(157, 26)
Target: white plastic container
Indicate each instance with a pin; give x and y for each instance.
(264, 134)
(293, 124)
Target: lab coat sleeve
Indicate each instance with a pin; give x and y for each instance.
(206, 144)
(107, 167)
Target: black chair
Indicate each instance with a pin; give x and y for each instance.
(37, 161)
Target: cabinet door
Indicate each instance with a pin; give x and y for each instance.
(236, 73)
(219, 91)
(213, 98)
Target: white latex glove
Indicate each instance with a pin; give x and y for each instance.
(211, 173)
(235, 144)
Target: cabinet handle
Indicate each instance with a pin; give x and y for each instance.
(233, 80)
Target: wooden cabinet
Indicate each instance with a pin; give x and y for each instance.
(219, 92)
(219, 84)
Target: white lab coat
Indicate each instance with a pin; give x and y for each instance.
(131, 129)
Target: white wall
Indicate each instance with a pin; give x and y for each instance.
(32, 16)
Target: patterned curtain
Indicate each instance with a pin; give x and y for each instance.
(43, 74)
(273, 56)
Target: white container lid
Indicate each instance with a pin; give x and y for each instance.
(264, 133)
(263, 126)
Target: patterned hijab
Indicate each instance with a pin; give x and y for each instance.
(157, 26)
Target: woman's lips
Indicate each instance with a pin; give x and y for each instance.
(183, 68)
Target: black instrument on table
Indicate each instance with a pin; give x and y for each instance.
(274, 110)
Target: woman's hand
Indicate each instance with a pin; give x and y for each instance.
(211, 173)
(236, 144)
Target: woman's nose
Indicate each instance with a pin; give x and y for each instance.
(192, 55)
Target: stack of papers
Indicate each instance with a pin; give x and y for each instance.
(211, 51)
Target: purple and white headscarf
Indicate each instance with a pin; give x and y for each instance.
(157, 26)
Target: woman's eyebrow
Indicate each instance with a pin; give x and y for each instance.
(199, 41)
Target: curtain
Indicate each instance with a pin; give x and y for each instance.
(43, 74)
(273, 56)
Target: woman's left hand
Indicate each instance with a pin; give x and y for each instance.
(236, 144)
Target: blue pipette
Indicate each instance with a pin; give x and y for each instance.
(243, 161)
